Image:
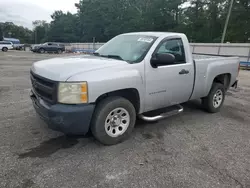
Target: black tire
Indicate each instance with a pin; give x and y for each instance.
(59, 51)
(4, 49)
(41, 51)
(103, 109)
(209, 102)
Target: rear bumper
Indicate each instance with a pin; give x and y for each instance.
(69, 119)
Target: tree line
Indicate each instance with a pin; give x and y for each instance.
(201, 20)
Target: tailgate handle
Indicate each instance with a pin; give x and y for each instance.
(183, 71)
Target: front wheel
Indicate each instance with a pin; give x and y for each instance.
(113, 120)
(4, 49)
(215, 99)
(41, 51)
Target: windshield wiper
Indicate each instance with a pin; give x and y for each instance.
(113, 56)
(108, 56)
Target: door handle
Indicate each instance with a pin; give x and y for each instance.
(183, 71)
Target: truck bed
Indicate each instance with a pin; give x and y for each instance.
(208, 67)
(207, 56)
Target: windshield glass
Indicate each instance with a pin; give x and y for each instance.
(130, 48)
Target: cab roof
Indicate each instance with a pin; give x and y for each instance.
(155, 34)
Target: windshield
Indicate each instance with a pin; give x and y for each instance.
(130, 48)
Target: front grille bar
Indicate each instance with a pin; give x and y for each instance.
(44, 88)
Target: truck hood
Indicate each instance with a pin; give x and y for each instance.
(61, 69)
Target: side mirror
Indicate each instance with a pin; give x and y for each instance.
(162, 59)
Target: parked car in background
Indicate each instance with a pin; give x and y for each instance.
(48, 47)
(5, 46)
(19, 46)
(16, 43)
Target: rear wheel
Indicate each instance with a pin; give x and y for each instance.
(113, 120)
(215, 99)
(59, 51)
(4, 49)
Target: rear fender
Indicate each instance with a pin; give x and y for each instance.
(217, 69)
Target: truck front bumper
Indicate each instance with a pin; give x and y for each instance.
(69, 119)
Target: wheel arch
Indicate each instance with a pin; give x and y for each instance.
(41, 49)
(224, 79)
(130, 94)
(5, 47)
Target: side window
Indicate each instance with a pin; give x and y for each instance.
(4, 42)
(175, 47)
(50, 44)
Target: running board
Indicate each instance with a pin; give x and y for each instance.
(163, 115)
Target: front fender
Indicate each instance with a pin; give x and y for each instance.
(112, 79)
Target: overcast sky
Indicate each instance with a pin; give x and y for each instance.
(23, 12)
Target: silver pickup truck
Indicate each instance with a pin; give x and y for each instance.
(129, 76)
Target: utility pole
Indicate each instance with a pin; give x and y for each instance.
(94, 43)
(227, 20)
(35, 36)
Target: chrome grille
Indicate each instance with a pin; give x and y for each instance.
(43, 88)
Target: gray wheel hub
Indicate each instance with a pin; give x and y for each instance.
(218, 98)
(117, 122)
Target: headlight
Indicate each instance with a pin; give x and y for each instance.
(73, 93)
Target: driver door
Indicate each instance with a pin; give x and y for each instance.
(49, 47)
(168, 85)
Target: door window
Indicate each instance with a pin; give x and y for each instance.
(175, 47)
(4, 42)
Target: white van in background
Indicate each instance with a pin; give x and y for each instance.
(5, 46)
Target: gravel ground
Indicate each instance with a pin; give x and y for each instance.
(193, 149)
